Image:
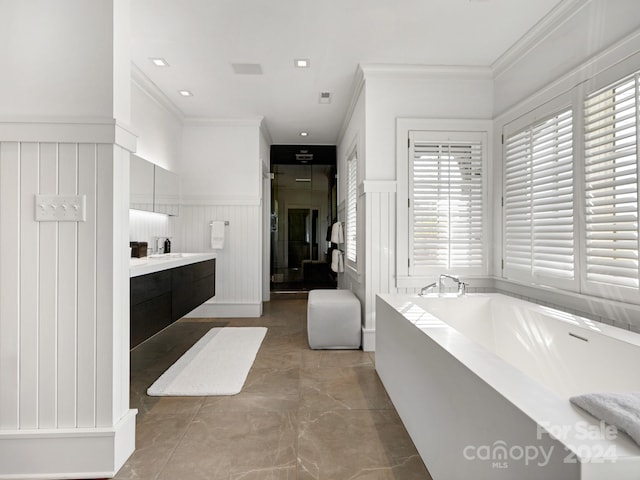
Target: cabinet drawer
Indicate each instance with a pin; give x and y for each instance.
(189, 296)
(190, 273)
(145, 287)
(148, 318)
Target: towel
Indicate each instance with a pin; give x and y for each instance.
(337, 235)
(337, 263)
(217, 234)
(622, 410)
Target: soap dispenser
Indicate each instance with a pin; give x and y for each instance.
(167, 245)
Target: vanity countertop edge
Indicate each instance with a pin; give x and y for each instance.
(146, 265)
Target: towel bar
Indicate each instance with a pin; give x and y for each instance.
(226, 222)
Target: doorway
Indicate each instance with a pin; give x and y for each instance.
(303, 206)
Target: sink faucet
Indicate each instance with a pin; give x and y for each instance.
(462, 287)
(426, 289)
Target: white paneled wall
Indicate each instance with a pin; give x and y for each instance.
(146, 226)
(238, 264)
(380, 226)
(64, 360)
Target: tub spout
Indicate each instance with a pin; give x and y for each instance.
(426, 289)
(462, 287)
(441, 281)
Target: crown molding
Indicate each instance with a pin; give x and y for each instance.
(145, 84)
(265, 131)
(357, 87)
(560, 14)
(381, 70)
(255, 121)
(617, 54)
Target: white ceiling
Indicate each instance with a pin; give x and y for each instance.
(200, 39)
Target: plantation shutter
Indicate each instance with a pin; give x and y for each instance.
(446, 204)
(611, 185)
(351, 215)
(538, 201)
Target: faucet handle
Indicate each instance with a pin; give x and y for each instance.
(426, 289)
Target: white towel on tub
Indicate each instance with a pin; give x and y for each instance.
(217, 234)
(622, 410)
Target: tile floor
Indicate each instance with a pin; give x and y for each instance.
(302, 414)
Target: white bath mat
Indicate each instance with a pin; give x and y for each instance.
(217, 364)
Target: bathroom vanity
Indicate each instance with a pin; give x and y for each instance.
(164, 288)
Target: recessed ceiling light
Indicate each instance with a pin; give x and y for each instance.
(186, 93)
(159, 62)
(304, 134)
(302, 63)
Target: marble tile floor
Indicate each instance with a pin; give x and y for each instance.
(302, 414)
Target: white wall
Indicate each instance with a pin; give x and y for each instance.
(265, 195)
(531, 68)
(221, 161)
(64, 315)
(157, 124)
(45, 42)
(418, 92)
(221, 179)
(389, 93)
(353, 136)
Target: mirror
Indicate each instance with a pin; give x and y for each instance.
(167, 192)
(142, 187)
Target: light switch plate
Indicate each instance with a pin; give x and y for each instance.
(61, 208)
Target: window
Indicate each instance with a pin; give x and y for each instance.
(446, 203)
(538, 205)
(351, 226)
(611, 185)
(574, 224)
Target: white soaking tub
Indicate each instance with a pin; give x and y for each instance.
(482, 383)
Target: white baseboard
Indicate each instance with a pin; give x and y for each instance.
(226, 310)
(369, 339)
(67, 453)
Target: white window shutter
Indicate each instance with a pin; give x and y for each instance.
(611, 185)
(351, 226)
(446, 217)
(538, 201)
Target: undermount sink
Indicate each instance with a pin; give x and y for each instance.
(164, 256)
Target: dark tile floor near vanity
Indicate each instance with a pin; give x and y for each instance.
(302, 414)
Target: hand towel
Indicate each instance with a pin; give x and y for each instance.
(622, 410)
(217, 234)
(337, 235)
(337, 263)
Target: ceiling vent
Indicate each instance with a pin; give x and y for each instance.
(325, 97)
(247, 68)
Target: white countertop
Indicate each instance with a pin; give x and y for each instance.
(156, 263)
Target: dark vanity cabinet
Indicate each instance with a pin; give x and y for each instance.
(159, 299)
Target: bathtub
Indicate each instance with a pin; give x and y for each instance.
(482, 383)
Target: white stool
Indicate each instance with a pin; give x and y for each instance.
(333, 319)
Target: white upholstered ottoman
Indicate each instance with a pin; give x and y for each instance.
(333, 319)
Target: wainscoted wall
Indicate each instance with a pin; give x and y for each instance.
(380, 226)
(238, 264)
(64, 312)
(146, 226)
